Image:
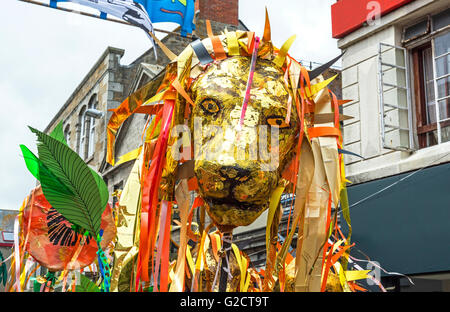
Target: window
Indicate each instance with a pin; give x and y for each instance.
(86, 130)
(82, 133)
(430, 59)
(93, 103)
(431, 69)
(8, 236)
(67, 134)
(143, 80)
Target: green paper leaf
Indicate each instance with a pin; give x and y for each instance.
(86, 285)
(103, 189)
(31, 161)
(41, 172)
(58, 133)
(36, 286)
(84, 206)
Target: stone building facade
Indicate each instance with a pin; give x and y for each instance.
(103, 88)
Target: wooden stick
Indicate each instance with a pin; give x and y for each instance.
(164, 48)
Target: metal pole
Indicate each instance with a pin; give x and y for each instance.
(381, 93)
(408, 100)
(107, 19)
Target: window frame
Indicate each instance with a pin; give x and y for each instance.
(82, 132)
(67, 133)
(415, 48)
(91, 124)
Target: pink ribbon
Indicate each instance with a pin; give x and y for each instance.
(249, 83)
(17, 252)
(162, 222)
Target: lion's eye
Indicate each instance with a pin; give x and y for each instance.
(210, 106)
(277, 121)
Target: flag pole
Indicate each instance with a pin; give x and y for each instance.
(107, 19)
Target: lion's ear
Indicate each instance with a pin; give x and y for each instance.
(267, 31)
(319, 70)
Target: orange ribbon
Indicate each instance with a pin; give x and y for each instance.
(323, 131)
(219, 51)
(149, 219)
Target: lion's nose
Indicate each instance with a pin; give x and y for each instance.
(235, 173)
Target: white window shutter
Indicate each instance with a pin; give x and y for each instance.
(394, 98)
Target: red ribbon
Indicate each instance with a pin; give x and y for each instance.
(150, 195)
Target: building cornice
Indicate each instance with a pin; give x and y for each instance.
(401, 14)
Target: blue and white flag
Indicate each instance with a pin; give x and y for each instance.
(127, 10)
(175, 11)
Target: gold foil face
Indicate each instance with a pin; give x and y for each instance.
(238, 169)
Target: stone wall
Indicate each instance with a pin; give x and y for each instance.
(105, 83)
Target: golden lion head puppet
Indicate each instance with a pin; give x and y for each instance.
(230, 117)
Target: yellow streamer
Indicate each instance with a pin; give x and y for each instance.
(318, 86)
(134, 154)
(281, 57)
(199, 263)
(342, 278)
(219, 242)
(233, 45)
(356, 275)
(158, 97)
(189, 259)
(241, 265)
(247, 283)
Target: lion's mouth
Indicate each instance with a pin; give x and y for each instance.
(232, 203)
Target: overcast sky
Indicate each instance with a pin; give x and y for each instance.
(45, 53)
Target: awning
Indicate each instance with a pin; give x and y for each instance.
(405, 228)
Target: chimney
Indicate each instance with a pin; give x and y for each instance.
(223, 11)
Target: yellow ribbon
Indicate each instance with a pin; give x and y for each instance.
(342, 278)
(281, 57)
(134, 154)
(233, 45)
(241, 265)
(190, 260)
(247, 283)
(318, 86)
(158, 97)
(356, 275)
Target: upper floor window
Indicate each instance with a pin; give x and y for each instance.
(428, 90)
(93, 104)
(67, 134)
(86, 142)
(82, 133)
(431, 78)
